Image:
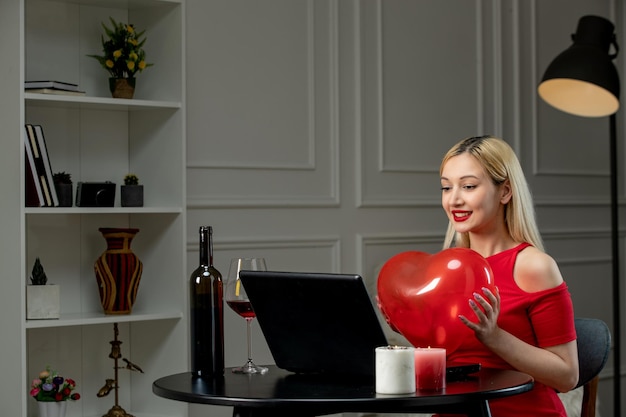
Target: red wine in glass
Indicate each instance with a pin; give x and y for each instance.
(237, 299)
(242, 307)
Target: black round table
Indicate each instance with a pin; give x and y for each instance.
(282, 393)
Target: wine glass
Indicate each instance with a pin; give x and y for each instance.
(237, 299)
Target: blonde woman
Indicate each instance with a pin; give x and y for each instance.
(528, 324)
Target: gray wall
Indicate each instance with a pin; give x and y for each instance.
(315, 130)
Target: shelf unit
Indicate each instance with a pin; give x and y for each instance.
(95, 138)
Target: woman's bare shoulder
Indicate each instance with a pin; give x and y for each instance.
(535, 270)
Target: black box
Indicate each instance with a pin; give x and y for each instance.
(95, 194)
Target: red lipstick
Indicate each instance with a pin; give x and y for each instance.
(461, 215)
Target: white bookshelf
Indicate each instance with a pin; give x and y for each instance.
(95, 138)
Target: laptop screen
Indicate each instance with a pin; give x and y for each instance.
(316, 322)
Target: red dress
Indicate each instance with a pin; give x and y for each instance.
(544, 318)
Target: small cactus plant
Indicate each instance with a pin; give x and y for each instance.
(131, 192)
(39, 275)
(62, 178)
(131, 179)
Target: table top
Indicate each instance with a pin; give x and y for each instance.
(327, 394)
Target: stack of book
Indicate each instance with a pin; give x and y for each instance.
(40, 191)
(52, 87)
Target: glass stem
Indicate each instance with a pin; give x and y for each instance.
(248, 326)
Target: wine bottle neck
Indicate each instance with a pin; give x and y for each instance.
(206, 255)
(210, 246)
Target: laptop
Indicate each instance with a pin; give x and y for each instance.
(316, 322)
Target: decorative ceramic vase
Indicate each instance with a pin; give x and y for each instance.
(122, 87)
(52, 408)
(118, 271)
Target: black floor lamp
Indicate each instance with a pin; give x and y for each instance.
(583, 81)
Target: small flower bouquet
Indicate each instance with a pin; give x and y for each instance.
(50, 387)
(123, 54)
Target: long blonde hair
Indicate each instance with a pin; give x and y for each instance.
(501, 164)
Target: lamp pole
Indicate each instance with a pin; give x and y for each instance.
(617, 394)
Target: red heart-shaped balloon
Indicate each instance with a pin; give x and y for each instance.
(422, 295)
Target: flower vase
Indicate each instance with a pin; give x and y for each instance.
(52, 408)
(118, 271)
(122, 87)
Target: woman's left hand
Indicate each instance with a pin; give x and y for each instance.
(486, 307)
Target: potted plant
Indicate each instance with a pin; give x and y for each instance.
(52, 392)
(63, 186)
(131, 192)
(42, 301)
(123, 57)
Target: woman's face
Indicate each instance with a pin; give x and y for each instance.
(469, 197)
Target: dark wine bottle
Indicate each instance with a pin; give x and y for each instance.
(207, 312)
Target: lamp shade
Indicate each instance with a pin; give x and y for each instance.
(583, 80)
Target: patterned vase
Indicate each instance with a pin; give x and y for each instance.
(118, 271)
(52, 408)
(122, 87)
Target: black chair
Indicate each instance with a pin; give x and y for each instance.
(594, 343)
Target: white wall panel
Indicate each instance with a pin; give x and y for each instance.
(422, 90)
(287, 253)
(266, 80)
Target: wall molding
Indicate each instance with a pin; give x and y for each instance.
(274, 201)
(273, 242)
(332, 243)
(321, 142)
(365, 241)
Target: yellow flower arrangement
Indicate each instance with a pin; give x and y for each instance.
(123, 51)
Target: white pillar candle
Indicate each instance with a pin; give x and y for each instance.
(430, 368)
(395, 370)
